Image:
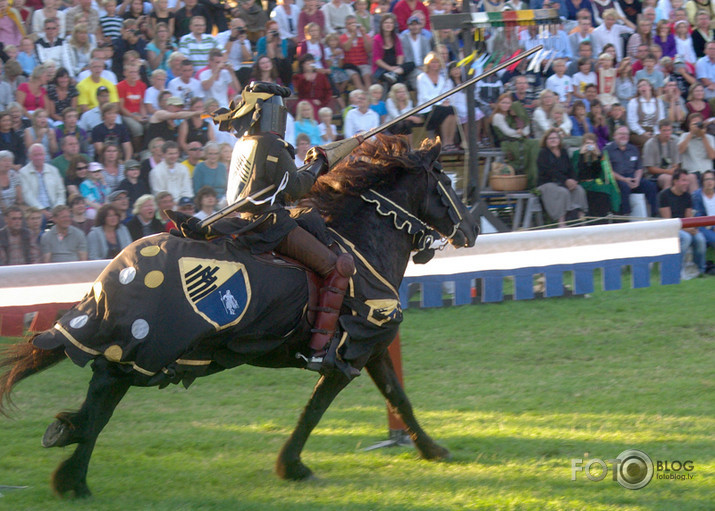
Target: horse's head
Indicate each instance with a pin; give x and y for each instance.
(441, 208)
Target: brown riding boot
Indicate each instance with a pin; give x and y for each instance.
(336, 272)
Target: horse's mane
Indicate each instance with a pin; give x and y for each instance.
(374, 164)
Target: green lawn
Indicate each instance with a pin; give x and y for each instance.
(514, 390)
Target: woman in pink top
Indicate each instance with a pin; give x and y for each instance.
(32, 94)
(388, 59)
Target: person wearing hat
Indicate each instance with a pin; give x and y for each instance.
(404, 9)
(120, 200)
(186, 206)
(132, 184)
(161, 122)
(94, 189)
(260, 158)
(415, 47)
(93, 117)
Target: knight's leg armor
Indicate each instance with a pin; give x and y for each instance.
(336, 272)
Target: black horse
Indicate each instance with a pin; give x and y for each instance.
(150, 320)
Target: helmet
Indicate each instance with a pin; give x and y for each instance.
(260, 110)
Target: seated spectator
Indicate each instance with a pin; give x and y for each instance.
(131, 104)
(162, 14)
(185, 206)
(111, 131)
(416, 47)
(70, 148)
(596, 177)
(357, 46)
(652, 74)
(49, 11)
(302, 144)
(10, 187)
(41, 133)
(584, 76)
(398, 103)
(89, 88)
(151, 96)
(286, 15)
(218, 78)
(78, 209)
(161, 122)
(17, 245)
(110, 23)
(335, 13)
(105, 54)
(120, 200)
(226, 151)
(26, 57)
(511, 131)
(581, 124)
(238, 51)
(194, 152)
(170, 175)
(684, 43)
(697, 148)
(561, 120)
(76, 50)
(403, 10)
(675, 111)
(69, 127)
(312, 43)
(441, 117)
(112, 162)
(305, 122)
(49, 47)
(335, 60)
(160, 48)
(696, 101)
(560, 191)
(205, 202)
(11, 140)
(599, 123)
(264, 70)
(94, 189)
(186, 86)
(144, 222)
(32, 94)
(328, 131)
(63, 242)
(628, 171)
(276, 49)
(661, 157)
(704, 205)
(644, 112)
(625, 82)
(312, 86)
(155, 156)
(701, 33)
(310, 14)
(388, 58)
(131, 39)
(132, 183)
(676, 202)
(184, 16)
(62, 94)
(362, 118)
(108, 236)
(165, 202)
(77, 171)
(376, 92)
(197, 44)
(210, 172)
(53, 189)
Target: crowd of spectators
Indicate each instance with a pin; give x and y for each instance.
(104, 106)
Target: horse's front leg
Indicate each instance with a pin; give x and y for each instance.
(288, 465)
(383, 374)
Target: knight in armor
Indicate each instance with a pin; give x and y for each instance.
(261, 158)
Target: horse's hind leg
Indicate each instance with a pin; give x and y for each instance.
(288, 465)
(105, 392)
(383, 374)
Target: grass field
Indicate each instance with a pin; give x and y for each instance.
(514, 390)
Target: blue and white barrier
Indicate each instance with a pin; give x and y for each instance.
(551, 253)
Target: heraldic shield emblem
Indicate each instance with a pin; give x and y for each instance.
(218, 291)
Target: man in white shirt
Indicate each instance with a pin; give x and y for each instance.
(609, 32)
(705, 70)
(170, 175)
(185, 86)
(42, 185)
(217, 78)
(237, 49)
(286, 14)
(49, 47)
(362, 118)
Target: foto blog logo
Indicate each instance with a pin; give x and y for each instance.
(633, 469)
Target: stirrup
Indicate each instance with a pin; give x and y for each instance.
(312, 363)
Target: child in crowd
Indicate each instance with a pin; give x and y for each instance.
(583, 77)
(334, 60)
(26, 56)
(94, 189)
(302, 144)
(616, 117)
(328, 131)
(606, 80)
(363, 16)
(560, 83)
(376, 103)
(111, 23)
(650, 73)
(305, 122)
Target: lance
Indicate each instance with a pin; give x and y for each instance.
(330, 154)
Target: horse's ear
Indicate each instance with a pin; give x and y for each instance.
(431, 149)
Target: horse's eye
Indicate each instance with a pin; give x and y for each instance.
(437, 167)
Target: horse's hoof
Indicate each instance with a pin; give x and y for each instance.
(294, 472)
(58, 434)
(436, 453)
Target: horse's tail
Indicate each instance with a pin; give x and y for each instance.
(18, 361)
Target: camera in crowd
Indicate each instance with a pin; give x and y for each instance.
(700, 125)
(273, 34)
